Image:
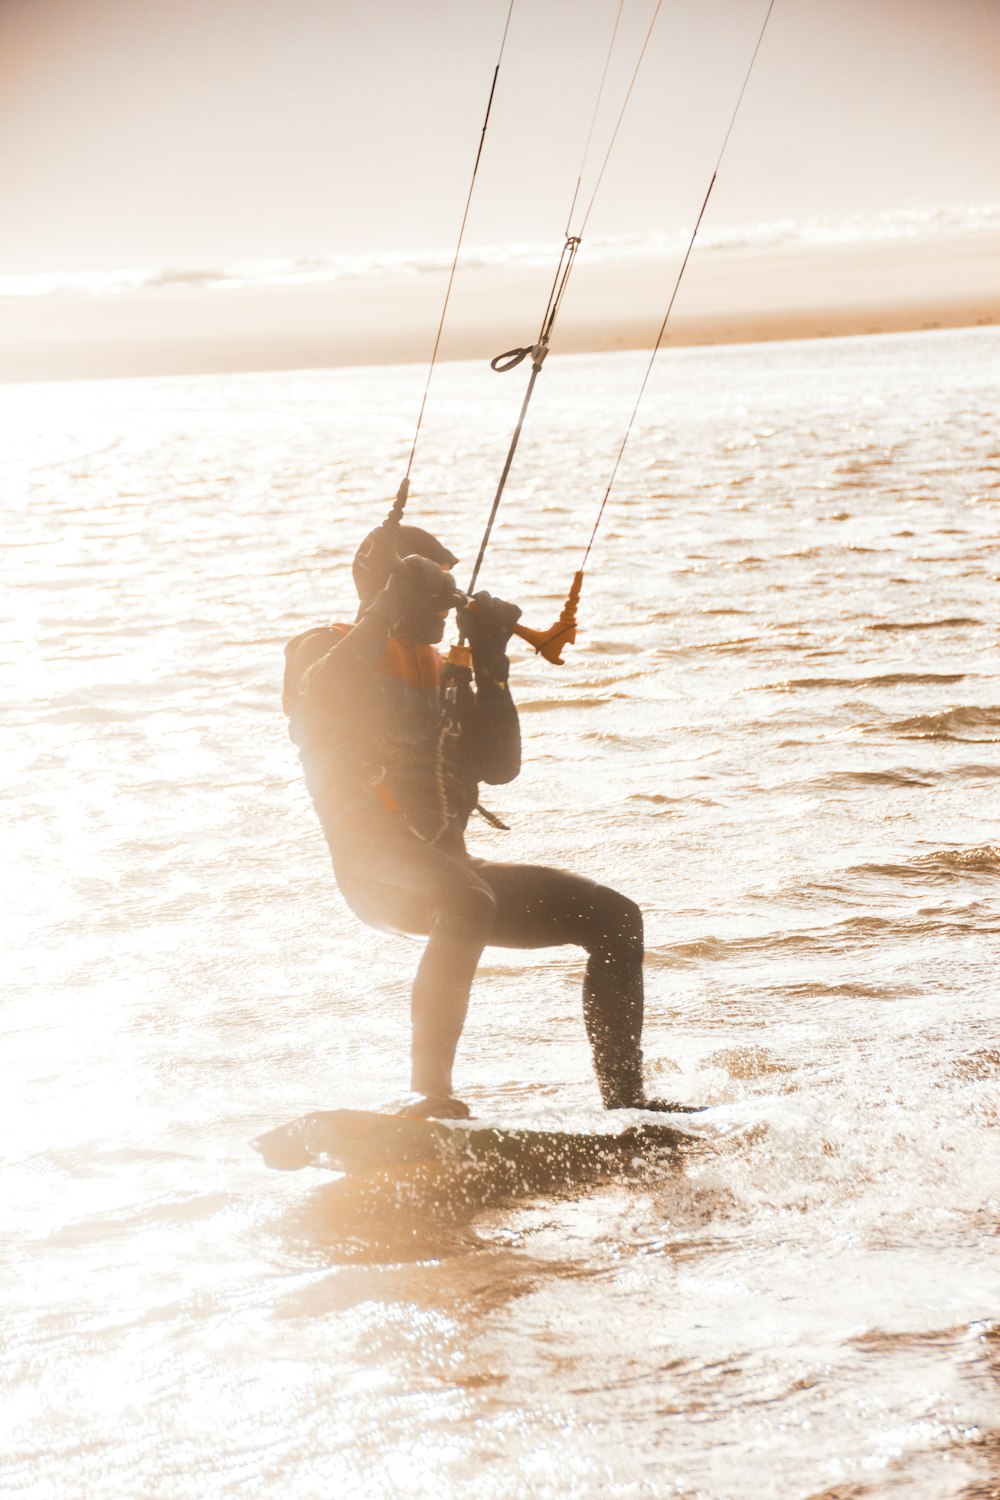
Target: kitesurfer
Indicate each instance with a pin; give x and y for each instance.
(394, 784)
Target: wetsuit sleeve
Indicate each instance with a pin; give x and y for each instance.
(495, 730)
(351, 661)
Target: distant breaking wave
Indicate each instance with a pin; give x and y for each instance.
(779, 234)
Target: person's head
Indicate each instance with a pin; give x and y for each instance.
(382, 553)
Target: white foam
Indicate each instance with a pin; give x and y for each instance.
(778, 234)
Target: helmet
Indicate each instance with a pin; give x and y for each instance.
(373, 561)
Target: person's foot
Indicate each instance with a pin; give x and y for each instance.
(433, 1107)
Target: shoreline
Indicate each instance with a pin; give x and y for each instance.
(727, 297)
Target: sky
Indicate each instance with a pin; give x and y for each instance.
(189, 133)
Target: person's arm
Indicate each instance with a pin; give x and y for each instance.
(357, 654)
(354, 657)
(495, 730)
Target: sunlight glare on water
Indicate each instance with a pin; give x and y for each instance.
(779, 732)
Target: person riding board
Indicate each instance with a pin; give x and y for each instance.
(394, 784)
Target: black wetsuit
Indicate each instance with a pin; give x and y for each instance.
(394, 798)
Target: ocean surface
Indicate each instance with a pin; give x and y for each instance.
(779, 732)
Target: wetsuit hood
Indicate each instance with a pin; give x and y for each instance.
(371, 576)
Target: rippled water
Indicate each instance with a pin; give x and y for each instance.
(779, 732)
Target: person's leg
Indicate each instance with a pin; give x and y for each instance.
(394, 882)
(537, 907)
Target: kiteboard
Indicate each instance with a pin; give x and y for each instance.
(392, 1157)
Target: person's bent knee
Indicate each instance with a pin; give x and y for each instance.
(622, 917)
(621, 924)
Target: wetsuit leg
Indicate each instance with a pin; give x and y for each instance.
(537, 907)
(394, 882)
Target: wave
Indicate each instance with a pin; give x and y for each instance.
(974, 772)
(815, 989)
(893, 776)
(901, 625)
(885, 679)
(940, 867)
(307, 270)
(547, 705)
(903, 776)
(963, 722)
(840, 937)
